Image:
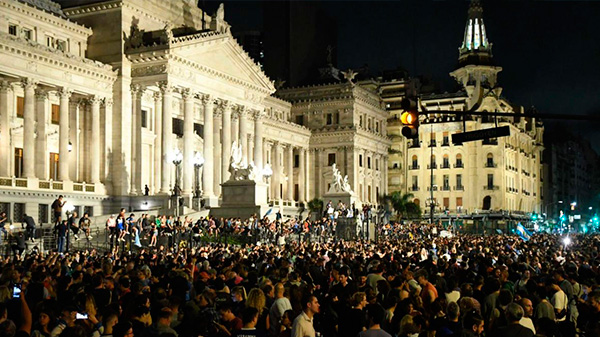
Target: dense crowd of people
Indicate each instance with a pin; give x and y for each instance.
(415, 283)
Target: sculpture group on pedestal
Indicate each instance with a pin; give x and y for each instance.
(340, 184)
(238, 168)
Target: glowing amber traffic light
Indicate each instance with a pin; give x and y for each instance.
(410, 118)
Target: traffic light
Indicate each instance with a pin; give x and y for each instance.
(410, 118)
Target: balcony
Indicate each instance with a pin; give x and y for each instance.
(459, 165)
(414, 167)
(434, 166)
(414, 144)
(432, 143)
(459, 188)
(446, 188)
(491, 164)
(445, 166)
(435, 188)
(445, 142)
(414, 188)
(491, 187)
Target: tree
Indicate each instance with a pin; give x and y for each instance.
(315, 206)
(403, 204)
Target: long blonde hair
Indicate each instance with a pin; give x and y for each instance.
(256, 299)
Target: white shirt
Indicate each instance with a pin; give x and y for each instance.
(559, 301)
(303, 326)
(528, 323)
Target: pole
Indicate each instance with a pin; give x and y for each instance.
(431, 203)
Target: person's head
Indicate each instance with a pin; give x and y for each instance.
(514, 313)
(256, 299)
(74, 215)
(86, 214)
(249, 317)
(594, 300)
(226, 312)
(359, 299)
(375, 314)
(123, 329)
(279, 290)
(311, 305)
(505, 297)
(7, 328)
(110, 320)
(473, 322)
(421, 277)
(527, 307)
(453, 311)
(164, 316)
(287, 318)
(60, 198)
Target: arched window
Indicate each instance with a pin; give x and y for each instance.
(415, 162)
(490, 160)
(487, 203)
(459, 162)
(446, 161)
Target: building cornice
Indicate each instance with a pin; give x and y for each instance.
(70, 63)
(34, 13)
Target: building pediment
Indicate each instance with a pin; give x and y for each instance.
(225, 56)
(215, 54)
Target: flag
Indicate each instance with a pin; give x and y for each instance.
(523, 232)
(268, 212)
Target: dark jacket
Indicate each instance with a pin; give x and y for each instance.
(513, 330)
(29, 222)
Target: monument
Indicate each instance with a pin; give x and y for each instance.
(245, 194)
(340, 189)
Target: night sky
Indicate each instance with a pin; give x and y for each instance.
(549, 50)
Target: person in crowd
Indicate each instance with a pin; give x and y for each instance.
(303, 324)
(29, 226)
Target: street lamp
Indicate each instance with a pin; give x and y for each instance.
(267, 172)
(548, 204)
(69, 208)
(177, 159)
(198, 162)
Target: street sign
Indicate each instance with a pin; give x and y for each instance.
(459, 138)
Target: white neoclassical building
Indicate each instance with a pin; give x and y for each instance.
(495, 179)
(95, 100)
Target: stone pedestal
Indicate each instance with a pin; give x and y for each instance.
(346, 197)
(242, 198)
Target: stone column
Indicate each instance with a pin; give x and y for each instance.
(319, 176)
(290, 172)
(188, 140)
(63, 135)
(137, 92)
(29, 128)
(276, 170)
(157, 143)
(95, 148)
(41, 162)
(235, 126)
(243, 112)
(302, 186)
(217, 115)
(167, 136)
(226, 146)
(74, 139)
(108, 140)
(6, 149)
(258, 140)
(208, 141)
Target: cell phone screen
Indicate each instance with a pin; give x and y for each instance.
(81, 316)
(16, 291)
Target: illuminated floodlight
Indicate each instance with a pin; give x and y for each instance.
(566, 241)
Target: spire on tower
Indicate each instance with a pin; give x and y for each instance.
(475, 48)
